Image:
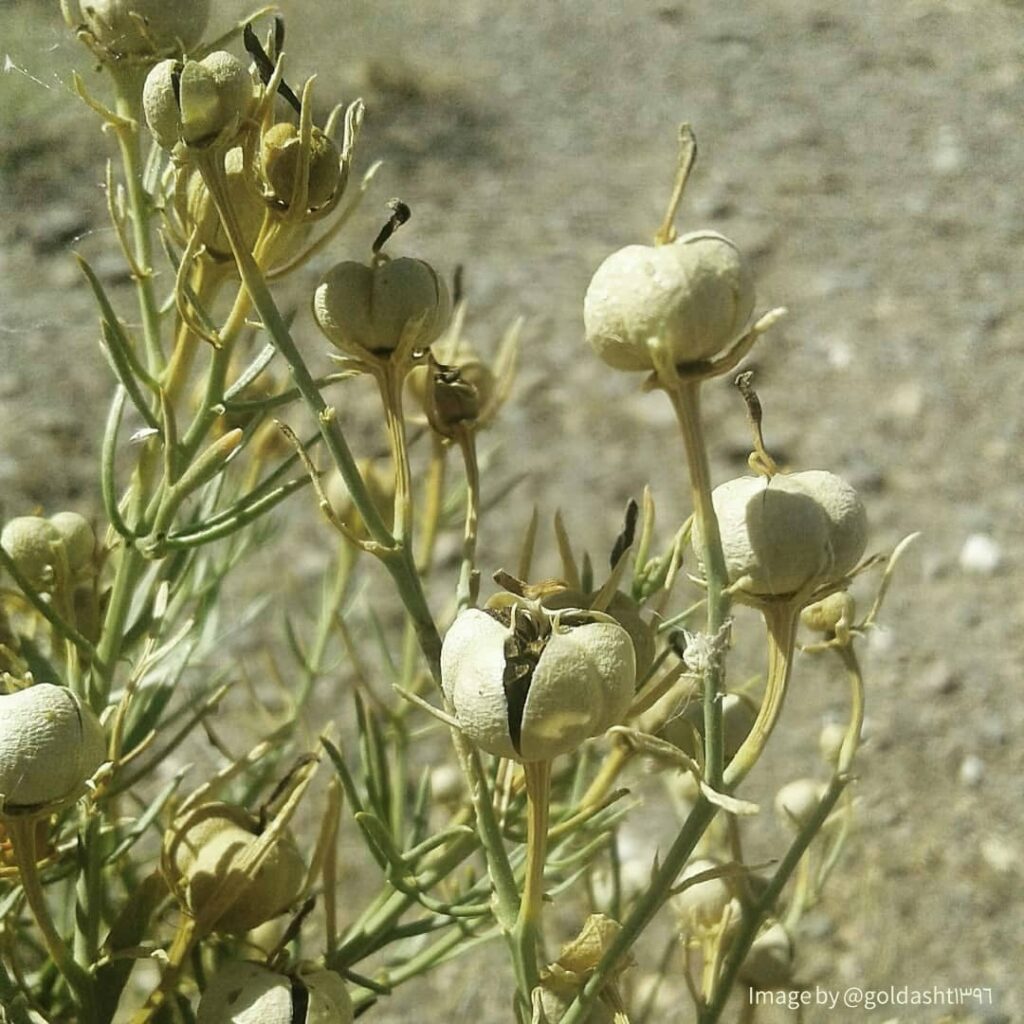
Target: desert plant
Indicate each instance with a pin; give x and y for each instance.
(111, 641)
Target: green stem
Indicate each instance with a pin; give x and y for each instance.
(685, 397)
(128, 85)
(22, 833)
(525, 936)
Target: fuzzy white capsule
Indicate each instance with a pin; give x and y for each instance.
(247, 993)
(783, 533)
(694, 297)
(374, 309)
(146, 27)
(32, 542)
(703, 905)
(580, 682)
(769, 964)
(50, 744)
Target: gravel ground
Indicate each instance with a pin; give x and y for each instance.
(866, 157)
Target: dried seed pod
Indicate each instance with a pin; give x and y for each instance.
(702, 906)
(200, 211)
(377, 308)
(738, 716)
(825, 615)
(830, 741)
(79, 541)
(381, 487)
(783, 533)
(50, 744)
(198, 102)
(797, 801)
(206, 849)
(692, 297)
(769, 963)
(32, 543)
(625, 611)
(146, 27)
(279, 164)
(540, 685)
(242, 992)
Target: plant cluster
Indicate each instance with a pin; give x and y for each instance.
(550, 689)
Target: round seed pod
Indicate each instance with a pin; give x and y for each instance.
(702, 906)
(538, 687)
(279, 163)
(738, 716)
(769, 964)
(830, 741)
(372, 309)
(786, 532)
(146, 27)
(797, 801)
(379, 483)
(693, 296)
(625, 611)
(50, 744)
(247, 993)
(213, 839)
(198, 102)
(31, 542)
(79, 540)
(200, 211)
(823, 616)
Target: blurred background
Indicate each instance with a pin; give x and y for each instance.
(867, 158)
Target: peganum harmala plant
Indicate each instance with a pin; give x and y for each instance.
(111, 645)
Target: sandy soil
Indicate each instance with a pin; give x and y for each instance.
(868, 158)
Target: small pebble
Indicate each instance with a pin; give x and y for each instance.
(980, 554)
(939, 678)
(999, 855)
(972, 771)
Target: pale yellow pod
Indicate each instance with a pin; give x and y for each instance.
(372, 309)
(201, 212)
(581, 685)
(769, 963)
(197, 102)
(211, 849)
(329, 999)
(279, 164)
(773, 533)
(694, 296)
(31, 542)
(825, 615)
(738, 716)
(78, 537)
(830, 741)
(380, 483)
(50, 744)
(797, 801)
(702, 906)
(846, 515)
(146, 27)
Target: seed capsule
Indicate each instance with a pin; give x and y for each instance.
(539, 686)
(375, 309)
(32, 543)
(213, 839)
(825, 615)
(797, 801)
(279, 162)
(769, 964)
(198, 102)
(79, 541)
(246, 993)
(50, 744)
(146, 27)
(787, 532)
(693, 297)
(702, 906)
(737, 717)
(200, 212)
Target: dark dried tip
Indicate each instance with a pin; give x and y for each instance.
(399, 215)
(300, 1002)
(265, 66)
(458, 290)
(625, 539)
(523, 649)
(677, 643)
